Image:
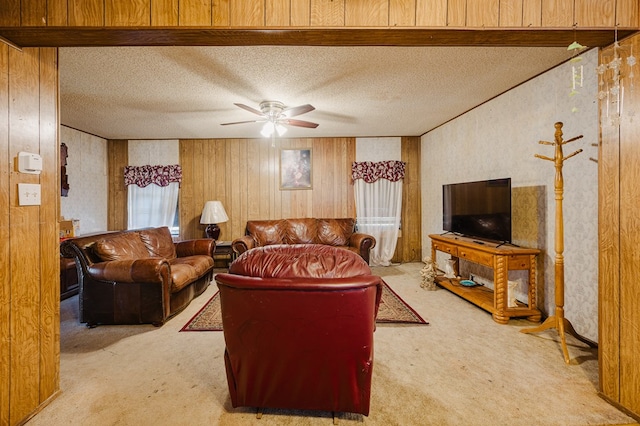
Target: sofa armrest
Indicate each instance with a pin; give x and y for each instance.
(194, 247)
(362, 241)
(148, 270)
(242, 244)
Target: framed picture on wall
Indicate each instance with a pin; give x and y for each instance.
(295, 168)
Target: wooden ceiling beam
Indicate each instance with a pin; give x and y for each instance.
(198, 36)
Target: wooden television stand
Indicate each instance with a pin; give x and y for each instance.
(501, 259)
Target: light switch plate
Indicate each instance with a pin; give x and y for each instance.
(29, 194)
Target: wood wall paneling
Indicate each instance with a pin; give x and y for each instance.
(221, 13)
(372, 13)
(456, 13)
(609, 258)
(164, 13)
(250, 13)
(628, 13)
(510, 13)
(10, 13)
(431, 13)
(33, 13)
(86, 13)
(402, 13)
(321, 13)
(301, 13)
(593, 13)
(327, 13)
(195, 13)
(118, 158)
(531, 13)
(629, 243)
(278, 13)
(57, 13)
(483, 13)
(5, 242)
(244, 174)
(558, 13)
(619, 264)
(25, 270)
(409, 247)
(133, 13)
(50, 208)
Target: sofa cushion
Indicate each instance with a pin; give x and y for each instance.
(200, 263)
(267, 232)
(181, 276)
(335, 232)
(159, 242)
(123, 246)
(301, 231)
(299, 261)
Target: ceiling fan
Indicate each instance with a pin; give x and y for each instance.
(275, 116)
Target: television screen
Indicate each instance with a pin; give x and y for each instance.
(478, 209)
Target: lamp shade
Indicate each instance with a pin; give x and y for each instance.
(213, 212)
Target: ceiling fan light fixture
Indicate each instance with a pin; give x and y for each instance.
(268, 129)
(281, 129)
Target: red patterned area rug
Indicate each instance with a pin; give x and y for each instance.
(393, 310)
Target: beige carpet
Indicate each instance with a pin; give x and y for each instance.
(462, 369)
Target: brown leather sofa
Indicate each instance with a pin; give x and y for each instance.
(138, 276)
(68, 277)
(332, 232)
(298, 325)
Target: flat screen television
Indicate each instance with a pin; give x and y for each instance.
(479, 209)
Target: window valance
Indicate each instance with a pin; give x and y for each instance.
(146, 175)
(370, 171)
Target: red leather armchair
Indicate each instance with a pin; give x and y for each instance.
(298, 325)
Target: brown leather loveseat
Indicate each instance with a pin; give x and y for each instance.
(138, 276)
(332, 232)
(298, 324)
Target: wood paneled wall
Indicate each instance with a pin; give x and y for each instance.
(321, 13)
(619, 263)
(409, 248)
(244, 175)
(30, 266)
(118, 156)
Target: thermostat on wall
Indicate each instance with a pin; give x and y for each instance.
(29, 163)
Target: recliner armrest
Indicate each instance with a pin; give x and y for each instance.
(242, 244)
(194, 247)
(148, 270)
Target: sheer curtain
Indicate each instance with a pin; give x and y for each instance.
(378, 193)
(152, 194)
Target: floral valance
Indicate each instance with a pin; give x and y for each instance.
(371, 172)
(146, 175)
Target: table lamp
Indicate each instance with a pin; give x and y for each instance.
(212, 214)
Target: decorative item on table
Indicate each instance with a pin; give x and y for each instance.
(213, 213)
(450, 269)
(511, 293)
(428, 273)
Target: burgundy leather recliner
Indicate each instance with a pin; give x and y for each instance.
(298, 325)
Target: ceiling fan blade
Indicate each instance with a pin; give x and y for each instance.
(300, 123)
(248, 108)
(292, 112)
(243, 122)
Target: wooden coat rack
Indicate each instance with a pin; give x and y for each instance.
(558, 321)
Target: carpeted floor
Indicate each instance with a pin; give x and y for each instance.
(392, 309)
(462, 369)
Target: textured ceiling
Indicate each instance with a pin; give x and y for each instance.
(187, 92)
